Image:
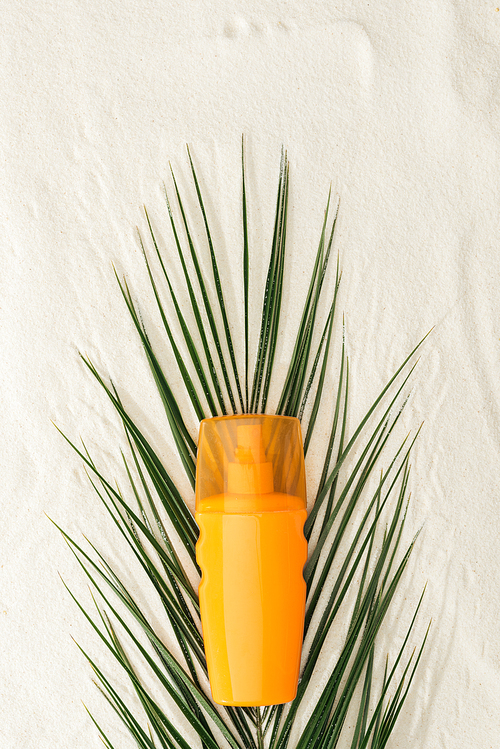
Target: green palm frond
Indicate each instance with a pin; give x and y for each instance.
(354, 527)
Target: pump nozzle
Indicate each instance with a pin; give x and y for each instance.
(250, 473)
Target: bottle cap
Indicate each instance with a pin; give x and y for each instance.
(253, 462)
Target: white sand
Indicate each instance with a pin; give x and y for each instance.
(398, 104)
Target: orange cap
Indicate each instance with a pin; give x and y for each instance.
(240, 457)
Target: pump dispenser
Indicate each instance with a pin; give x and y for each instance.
(251, 509)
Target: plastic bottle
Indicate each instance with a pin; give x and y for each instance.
(251, 509)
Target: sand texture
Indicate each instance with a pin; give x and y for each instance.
(395, 103)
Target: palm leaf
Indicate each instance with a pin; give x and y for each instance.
(206, 301)
(200, 327)
(218, 287)
(272, 293)
(183, 440)
(180, 362)
(348, 498)
(246, 268)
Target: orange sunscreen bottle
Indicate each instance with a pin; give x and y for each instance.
(251, 509)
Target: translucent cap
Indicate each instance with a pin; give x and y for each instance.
(250, 463)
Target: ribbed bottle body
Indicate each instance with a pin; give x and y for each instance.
(252, 600)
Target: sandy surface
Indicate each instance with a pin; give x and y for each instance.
(395, 102)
